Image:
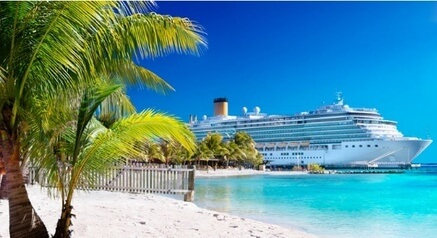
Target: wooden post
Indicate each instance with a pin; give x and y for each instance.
(189, 196)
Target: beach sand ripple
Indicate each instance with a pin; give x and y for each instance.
(116, 214)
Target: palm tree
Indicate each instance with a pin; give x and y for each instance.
(152, 151)
(214, 142)
(2, 180)
(235, 152)
(52, 48)
(224, 152)
(243, 139)
(168, 149)
(89, 146)
(29, 65)
(244, 148)
(175, 153)
(183, 156)
(213, 147)
(203, 152)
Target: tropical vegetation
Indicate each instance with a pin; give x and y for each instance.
(238, 150)
(64, 67)
(315, 168)
(210, 151)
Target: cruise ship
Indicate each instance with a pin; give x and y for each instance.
(334, 135)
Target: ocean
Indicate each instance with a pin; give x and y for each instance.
(331, 205)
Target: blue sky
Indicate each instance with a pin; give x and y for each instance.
(287, 57)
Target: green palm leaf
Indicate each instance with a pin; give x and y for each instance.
(106, 146)
(136, 75)
(91, 100)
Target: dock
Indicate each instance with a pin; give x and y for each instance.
(367, 171)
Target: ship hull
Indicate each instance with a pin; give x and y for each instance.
(377, 153)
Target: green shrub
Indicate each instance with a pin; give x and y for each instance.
(315, 168)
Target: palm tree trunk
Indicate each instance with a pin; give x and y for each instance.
(23, 219)
(3, 190)
(64, 223)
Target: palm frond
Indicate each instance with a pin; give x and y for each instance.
(120, 141)
(159, 35)
(131, 7)
(137, 75)
(44, 46)
(92, 98)
(141, 35)
(2, 76)
(116, 105)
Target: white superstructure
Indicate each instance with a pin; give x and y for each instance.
(333, 135)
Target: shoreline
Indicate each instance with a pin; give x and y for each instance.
(243, 172)
(116, 214)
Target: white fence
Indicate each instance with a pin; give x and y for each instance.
(137, 178)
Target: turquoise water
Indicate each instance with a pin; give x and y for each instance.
(368, 205)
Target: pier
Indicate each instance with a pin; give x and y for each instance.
(373, 171)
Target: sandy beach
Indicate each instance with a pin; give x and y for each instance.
(243, 172)
(116, 214)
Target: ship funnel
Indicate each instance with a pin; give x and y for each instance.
(220, 107)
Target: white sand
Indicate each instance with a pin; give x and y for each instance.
(227, 172)
(115, 214)
(243, 172)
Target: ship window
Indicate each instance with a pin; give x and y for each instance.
(368, 145)
(361, 145)
(353, 146)
(376, 145)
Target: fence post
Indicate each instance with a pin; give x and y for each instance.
(189, 196)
